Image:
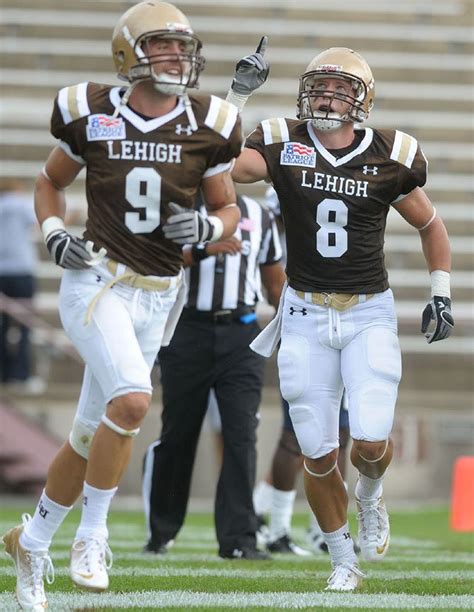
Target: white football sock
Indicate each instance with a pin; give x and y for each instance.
(281, 513)
(340, 545)
(47, 519)
(262, 497)
(368, 488)
(95, 508)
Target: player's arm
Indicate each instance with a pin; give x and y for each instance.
(58, 173)
(250, 167)
(251, 72)
(220, 198)
(417, 209)
(66, 250)
(273, 279)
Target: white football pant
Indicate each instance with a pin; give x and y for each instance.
(324, 351)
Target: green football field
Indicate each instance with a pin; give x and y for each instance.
(428, 568)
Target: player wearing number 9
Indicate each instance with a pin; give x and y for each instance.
(337, 323)
(147, 148)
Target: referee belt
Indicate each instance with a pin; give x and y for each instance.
(338, 301)
(244, 315)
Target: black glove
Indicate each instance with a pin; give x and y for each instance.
(187, 226)
(71, 252)
(439, 311)
(251, 71)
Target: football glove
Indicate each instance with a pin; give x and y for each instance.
(71, 252)
(439, 311)
(251, 71)
(187, 226)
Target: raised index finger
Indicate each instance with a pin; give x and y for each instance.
(262, 45)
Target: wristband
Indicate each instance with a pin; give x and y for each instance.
(237, 100)
(198, 252)
(218, 226)
(50, 225)
(440, 283)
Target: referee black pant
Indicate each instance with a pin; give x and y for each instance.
(204, 355)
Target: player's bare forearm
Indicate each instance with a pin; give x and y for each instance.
(436, 247)
(220, 197)
(273, 279)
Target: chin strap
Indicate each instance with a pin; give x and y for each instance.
(124, 99)
(190, 112)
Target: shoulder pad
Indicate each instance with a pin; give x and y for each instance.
(72, 102)
(221, 116)
(404, 149)
(275, 130)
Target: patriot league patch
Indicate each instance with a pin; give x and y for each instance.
(105, 127)
(297, 154)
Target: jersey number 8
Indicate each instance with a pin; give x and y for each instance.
(331, 238)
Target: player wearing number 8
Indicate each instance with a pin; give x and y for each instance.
(148, 148)
(335, 185)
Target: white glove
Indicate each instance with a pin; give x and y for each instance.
(187, 226)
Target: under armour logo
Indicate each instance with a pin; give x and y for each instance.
(98, 278)
(302, 311)
(84, 500)
(42, 510)
(187, 129)
(347, 536)
(374, 170)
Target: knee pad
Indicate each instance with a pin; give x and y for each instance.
(80, 437)
(308, 431)
(128, 433)
(293, 367)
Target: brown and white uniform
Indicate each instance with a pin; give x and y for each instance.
(334, 205)
(135, 167)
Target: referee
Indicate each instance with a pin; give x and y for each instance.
(210, 350)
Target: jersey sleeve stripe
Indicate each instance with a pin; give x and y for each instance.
(72, 102)
(221, 116)
(275, 130)
(404, 149)
(225, 167)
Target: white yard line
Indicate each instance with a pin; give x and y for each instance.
(166, 571)
(282, 600)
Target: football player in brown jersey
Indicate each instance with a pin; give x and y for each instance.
(337, 320)
(147, 149)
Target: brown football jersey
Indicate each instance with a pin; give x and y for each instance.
(136, 166)
(335, 208)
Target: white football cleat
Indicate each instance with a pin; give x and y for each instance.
(374, 528)
(31, 569)
(345, 577)
(90, 560)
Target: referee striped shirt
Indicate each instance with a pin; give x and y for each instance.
(227, 282)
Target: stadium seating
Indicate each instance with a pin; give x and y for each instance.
(421, 55)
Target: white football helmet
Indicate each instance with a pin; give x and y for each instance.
(337, 62)
(156, 19)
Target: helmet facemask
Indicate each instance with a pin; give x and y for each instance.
(187, 64)
(325, 119)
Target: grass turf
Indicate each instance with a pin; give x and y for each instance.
(428, 567)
